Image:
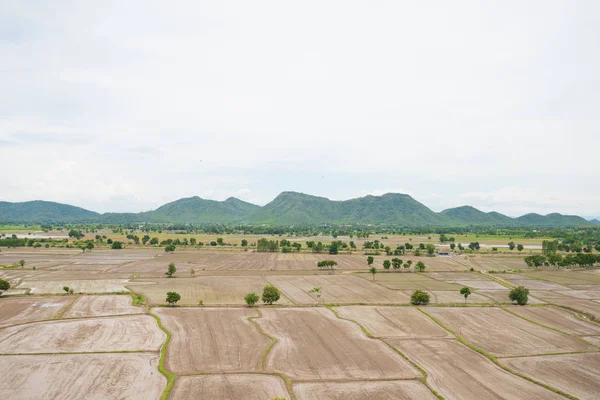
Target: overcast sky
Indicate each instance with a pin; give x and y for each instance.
(126, 105)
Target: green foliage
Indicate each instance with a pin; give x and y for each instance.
(520, 247)
(420, 266)
(169, 248)
(270, 294)
(419, 297)
(22, 263)
(466, 292)
(251, 299)
(66, 289)
(370, 260)
(373, 271)
(171, 270)
(326, 264)
(116, 245)
(520, 294)
(387, 264)
(4, 285)
(138, 299)
(266, 245)
(430, 249)
(172, 298)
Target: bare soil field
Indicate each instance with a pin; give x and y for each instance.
(337, 289)
(585, 306)
(410, 281)
(567, 277)
(97, 306)
(453, 297)
(497, 262)
(481, 284)
(314, 344)
(81, 376)
(79, 286)
(229, 387)
(136, 332)
(212, 339)
(582, 294)
(538, 284)
(457, 372)
(19, 310)
(576, 374)
(456, 276)
(382, 390)
(501, 296)
(595, 340)
(557, 318)
(49, 275)
(503, 334)
(396, 322)
(210, 289)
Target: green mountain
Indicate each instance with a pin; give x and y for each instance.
(43, 211)
(467, 215)
(289, 208)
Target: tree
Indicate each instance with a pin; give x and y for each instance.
(251, 299)
(169, 248)
(333, 248)
(420, 266)
(370, 260)
(520, 247)
(452, 246)
(89, 245)
(270, 294)
(396, 263)
(465, 292)
(172, 298)
(474, 245)
(4, 285)
(387, 264)
(407, 265)
(22, 263)
(430, 249)
(66, 289)
(244, 244)
(520, 294)
(171, 270)
(511, 245)
(116, 245)
(154, 241)
(373, 270)
(145, 239)
(419, 297)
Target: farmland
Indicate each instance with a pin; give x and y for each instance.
(358, 336)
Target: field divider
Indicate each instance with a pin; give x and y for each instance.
(66, 308)
(161, 363)
(494, 359)
(396, 350)
(502, 282)
(77, 352)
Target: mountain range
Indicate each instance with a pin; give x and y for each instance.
(289, 208)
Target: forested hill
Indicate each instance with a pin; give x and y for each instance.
(289, 208)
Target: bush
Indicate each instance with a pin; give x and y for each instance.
(4, 285)
(520, 294)
(251, 299)
(172, 298)
(116, 245)
(419, 297)
(270, 294)
(171, 270)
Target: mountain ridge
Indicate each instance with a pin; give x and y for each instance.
(288, 208)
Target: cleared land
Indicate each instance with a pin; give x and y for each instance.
(314, 344)
(585, 306)
(567, 277)
(81, 376)
(390, 390)
(412, 281)
(97, 306)
(503, 334)
(210, 289)
(396, 322)
(501, 296)
(576, 374)
(537, 284)
(337, 289)
(136, 332)
(212, 339)
(457, 372)
(229, 387)
(558, 319)
(79, 286)
(20, 310)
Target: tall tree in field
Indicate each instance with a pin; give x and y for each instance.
(172, 298)
(520, 247)
(22, 263)
(4, 285)
(370, 260)
(420, 266)
(373, 270)
(465, 292)
(386, 265)
(171, 270)
(511, 245)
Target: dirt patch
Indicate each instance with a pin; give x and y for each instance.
(412, 281)
(537, 284)
(390, 390)
(595, 340)
(136, 332)
(576, 374)
(582, 294)
(212, 339)
(447, 297)
(567, 277)
(501, 296)
(503, 334)
(481, 284)
(81, 376)
(97, 306)
(229, 387)
(29, 309)
(558, 319)
(457, 372)
(79, 286)
(397, 322)
(314, 344)
(210, 289)
(337, 289)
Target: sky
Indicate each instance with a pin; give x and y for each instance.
(126, 105)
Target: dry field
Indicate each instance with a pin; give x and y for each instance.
(502, 334)
(337, 289)
(457, 372)
(19, 310)
(558, 319)
(211, 289)
(98, 306)
(501, 296)
(313, 344)
(212, 339)
(412, 281)
(81, 376)
(585, 306)
(496, 262)
(229, 387)
(394, 322)
(567, 277)
(79, 286)
(576, 374)
(382, 390)
(129, 333)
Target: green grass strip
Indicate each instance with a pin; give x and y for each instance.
(161, 364)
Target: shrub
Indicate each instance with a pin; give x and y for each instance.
(419, 297)
(520, 294)
(270, 294)
(171, 270)
(200, 302)
(172, 298)
(116, 245)
(251, 299)
(66, 289)
(4, 285)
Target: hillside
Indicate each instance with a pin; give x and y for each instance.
(553, 219)
(43, 211)
(467, 215)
